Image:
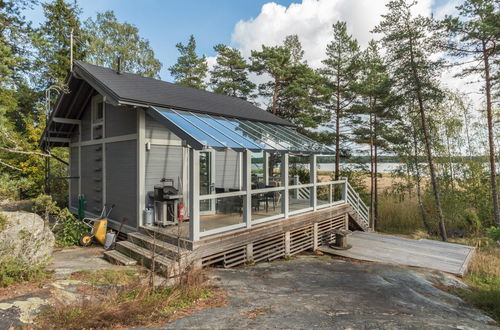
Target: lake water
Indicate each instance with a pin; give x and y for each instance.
(382, 167)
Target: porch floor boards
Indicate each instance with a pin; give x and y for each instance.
(447, 257)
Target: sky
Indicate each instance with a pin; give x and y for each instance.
(240, 23)
(247, 25)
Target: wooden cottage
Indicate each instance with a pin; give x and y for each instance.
(194, 172)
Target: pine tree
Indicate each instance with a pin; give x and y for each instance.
(296, 91)
(375, 114)
(230, 75)
(292, 43)
(53, 41)
(190, 70)
(274, 61)
(410, 42)
(109, 40)
(475, 37)
(341, 68)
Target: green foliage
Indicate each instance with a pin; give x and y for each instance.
(44, 206)
(53, 41)
(14, 270)
(494, 233)
(67, 229)
(109, 39)
(10, 187)
(472, 222)
(296, 92)
(190, 70)
(230, 75)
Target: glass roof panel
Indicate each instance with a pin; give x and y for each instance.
(209, 130)
(283, 138)
(248, 132)
(196, 132)
(262, 134)
(231, 130)
(299, 138)
(220, 132)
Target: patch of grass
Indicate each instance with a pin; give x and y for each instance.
(399, 216)
(483, 277)
(3, 222)
(131, 305)
(107, 276)
(15, 271)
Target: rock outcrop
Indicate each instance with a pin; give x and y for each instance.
(25, 237)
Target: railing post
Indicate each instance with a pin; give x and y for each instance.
(265, 166)
(284, 182)
(313, 179)
(315, 237)
(247, 186)
(344, 190)
(194, 194)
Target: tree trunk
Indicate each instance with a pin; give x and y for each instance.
(419, 190)
(375, 174)
(489, 114)
(337, 134)
(372, 177)
(428, 147)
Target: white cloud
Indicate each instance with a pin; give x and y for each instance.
(312, 21)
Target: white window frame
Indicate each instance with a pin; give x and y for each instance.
(102, 122)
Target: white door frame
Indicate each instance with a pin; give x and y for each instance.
(212, 153)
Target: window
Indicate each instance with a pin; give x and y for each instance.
(98, 106)
(99, 112)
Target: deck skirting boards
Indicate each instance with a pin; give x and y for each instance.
(278, 245)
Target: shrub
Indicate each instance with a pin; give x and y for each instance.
(10, 187)
(14, 270)
(494, 233)
(68, 229)
(44, 206)
(472, 223)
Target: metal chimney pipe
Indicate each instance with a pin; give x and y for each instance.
(118, 70)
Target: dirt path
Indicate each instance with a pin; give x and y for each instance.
(319, 292)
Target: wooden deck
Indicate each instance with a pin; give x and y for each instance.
(447, 257)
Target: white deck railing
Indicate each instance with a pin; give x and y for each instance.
(305, 198)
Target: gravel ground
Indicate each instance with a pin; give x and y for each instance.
(320, 292)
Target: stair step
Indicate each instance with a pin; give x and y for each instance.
(143, 255)
(148, 242)
(162, 235)
(116, 257)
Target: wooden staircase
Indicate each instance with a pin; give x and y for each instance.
(359, 215)
(150, 246)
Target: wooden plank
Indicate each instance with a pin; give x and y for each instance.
(448, 257)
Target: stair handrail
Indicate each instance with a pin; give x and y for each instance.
(358, 205)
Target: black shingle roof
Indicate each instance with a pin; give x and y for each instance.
(132, 88)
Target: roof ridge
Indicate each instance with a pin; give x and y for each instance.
(169, 82)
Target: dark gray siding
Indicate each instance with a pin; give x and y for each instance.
(86, 123)
(120, 120)
(163, 162)
(156, 130)
(121, 180)
(227, 169)
(92, 177)
(73, 172)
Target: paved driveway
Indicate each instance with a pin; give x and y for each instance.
(320, 292)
